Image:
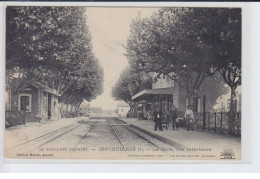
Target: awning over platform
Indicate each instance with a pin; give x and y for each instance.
(149, 92)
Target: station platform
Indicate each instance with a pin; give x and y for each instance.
(190, 139)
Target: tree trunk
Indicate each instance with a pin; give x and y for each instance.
(61, 110)
(77, 109)
(132, 108)
(135, 111)
(190, 99)
(232, 110)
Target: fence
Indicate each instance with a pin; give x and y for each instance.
(14, 118)
(218, 122)
(212, 121)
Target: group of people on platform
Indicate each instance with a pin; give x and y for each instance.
(173, 115)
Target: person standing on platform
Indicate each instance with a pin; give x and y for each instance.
(157, 117)
(174, 116)
(189, 118)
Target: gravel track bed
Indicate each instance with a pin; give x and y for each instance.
(130, 139)
(101, 135)
(70, 139)
(154, 140)
(98, 133)
(35, 144)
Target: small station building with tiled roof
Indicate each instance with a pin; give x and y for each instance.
(34, 103)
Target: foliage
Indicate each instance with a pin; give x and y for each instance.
(213, 87)
(191, 42)
(52, 45)
(129, 83)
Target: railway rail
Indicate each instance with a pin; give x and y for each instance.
(132, 131)
(40, 137)
(125, 134)
(119, 139)
(86, 134)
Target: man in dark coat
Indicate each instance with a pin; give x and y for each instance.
(157, 117)
(174, 116)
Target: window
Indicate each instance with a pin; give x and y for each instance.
(25, 102)
(196, 104)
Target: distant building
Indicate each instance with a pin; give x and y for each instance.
(223, 102)
(34, 103)
(122, 109)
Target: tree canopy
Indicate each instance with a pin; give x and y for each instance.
(52, 45)
(193, 43)
(129, 83)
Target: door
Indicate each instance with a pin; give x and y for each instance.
(25, 103)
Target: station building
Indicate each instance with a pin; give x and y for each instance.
(165, 92)
(34, 103)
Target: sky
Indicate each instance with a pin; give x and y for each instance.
(109, 28)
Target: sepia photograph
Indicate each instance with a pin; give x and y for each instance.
(123, 83)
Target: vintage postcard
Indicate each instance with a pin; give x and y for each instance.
(123, 83)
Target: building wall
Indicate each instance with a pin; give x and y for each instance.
(38, 102)
(162, 82)
(223, 102)
(8, 100)
(35, 101)
(179, 94)
(44, 106)
(182, 99)
(54, 107)
(30, 116)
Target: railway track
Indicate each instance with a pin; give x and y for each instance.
(119, 139)
(40, 137)
(42, 140)
(141, 133)
(132, 131)
(125, 136)
(52, 139)
(86, 134)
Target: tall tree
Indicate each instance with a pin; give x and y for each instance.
(193, 43)
(129, 83)
(222, 31)
(168, 42)
(228, 52)
(52, 45)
